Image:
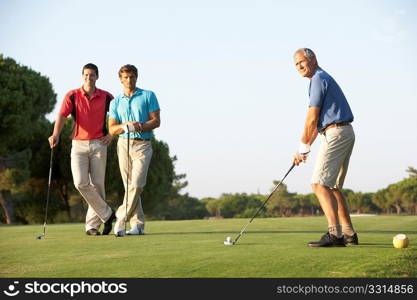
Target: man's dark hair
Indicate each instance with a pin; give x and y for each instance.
(90, 66)
(128, 69)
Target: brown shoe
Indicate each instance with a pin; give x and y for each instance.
(328, 240)
(92, 231)
(351, 239)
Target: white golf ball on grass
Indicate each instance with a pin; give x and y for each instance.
(228, 241)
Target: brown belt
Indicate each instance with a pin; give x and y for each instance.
(138, 139)
(334, 125)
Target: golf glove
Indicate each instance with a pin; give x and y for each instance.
(304, 149)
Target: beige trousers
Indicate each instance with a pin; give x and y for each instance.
(88, 166)
(140, 154)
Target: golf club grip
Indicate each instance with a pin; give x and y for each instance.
(50, 166)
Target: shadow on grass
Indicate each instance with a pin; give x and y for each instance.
(231, 232)
(278, 232)
(361, 245)
(381, 245)
(388, 231)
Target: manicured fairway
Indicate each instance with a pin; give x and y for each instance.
(269, 248)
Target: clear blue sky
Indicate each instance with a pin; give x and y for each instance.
(233, 105)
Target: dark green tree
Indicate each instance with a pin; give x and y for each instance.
(306, 204)
(394, 196)
(380, 199)
(212, 206)
(409, 187)
(26, 97)
(360, 202)
(160, 179)
(184, 207)
(31, 196)
(237, 205)
(281, 202)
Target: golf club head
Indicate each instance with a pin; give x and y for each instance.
(40, 237)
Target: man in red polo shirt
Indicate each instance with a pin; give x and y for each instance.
(88, 106)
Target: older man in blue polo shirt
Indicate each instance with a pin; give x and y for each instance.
(135, 111)
(330, 116)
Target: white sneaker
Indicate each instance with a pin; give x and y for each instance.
(119, 228)
(135, 231)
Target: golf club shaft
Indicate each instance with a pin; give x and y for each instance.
(263, 204)
(127, 175)
(49, 189)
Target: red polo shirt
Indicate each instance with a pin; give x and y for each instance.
(89, 112)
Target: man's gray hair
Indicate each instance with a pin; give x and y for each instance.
(308, 53)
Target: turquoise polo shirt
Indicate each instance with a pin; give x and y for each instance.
(135, 108)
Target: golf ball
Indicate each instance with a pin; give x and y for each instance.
(228, 241)
(400, 241)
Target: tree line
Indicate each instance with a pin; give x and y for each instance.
(398, 198)
(26, 97)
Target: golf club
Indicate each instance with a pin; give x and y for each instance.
(42, 236)
(127, 129)
(127, 179)
(229, 241)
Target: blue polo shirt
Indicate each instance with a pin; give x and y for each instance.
(324, 92)
(135, 108)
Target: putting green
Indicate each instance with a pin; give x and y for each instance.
(273, 247)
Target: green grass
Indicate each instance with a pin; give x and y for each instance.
(269, 248)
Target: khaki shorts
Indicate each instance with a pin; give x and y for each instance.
(336, 145)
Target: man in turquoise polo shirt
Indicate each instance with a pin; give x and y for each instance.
(135, 111)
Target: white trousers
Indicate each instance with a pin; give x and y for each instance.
(88, 166)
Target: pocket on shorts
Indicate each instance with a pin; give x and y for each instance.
(331, 135)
